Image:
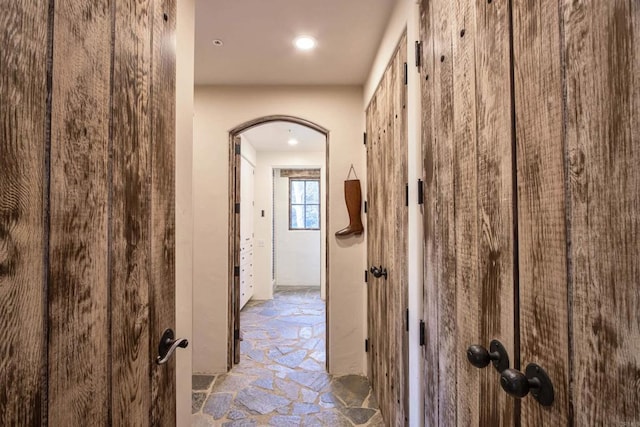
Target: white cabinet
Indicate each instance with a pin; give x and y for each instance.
(246, 231)
(246, 272)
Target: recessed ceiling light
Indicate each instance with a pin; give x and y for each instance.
(293, 141)
(217, 42)
(305, 42)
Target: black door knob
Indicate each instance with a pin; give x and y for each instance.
(479, 357)
(378, 272)
(515, 383)
(534, 380)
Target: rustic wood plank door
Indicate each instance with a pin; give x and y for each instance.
(387, 240)
(541, 136)
(577, 104)
(468, 215)
(87, 212)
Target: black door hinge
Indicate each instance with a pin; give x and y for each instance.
(238, 149)
(236, 271)
(366, 208)
(406, 319)
(236, 334)
(364, 138)
(418, 53)
(422, 332)
(366, 276)
(237, 208)
(420, 192)
(366, 345)
(406, 74)
(406, 194)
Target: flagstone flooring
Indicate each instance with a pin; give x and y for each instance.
(281, 379)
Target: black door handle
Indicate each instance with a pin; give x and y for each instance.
(534, 380)
(378, 272)
(479, 357)
(168, 346)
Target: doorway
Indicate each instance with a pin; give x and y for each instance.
(253, 240)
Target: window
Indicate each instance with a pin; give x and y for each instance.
(304, 204)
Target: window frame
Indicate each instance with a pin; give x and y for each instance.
(305, 204)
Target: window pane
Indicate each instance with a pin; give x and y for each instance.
(313, 192)
(313, 216)
(297, 192)
(297, 216)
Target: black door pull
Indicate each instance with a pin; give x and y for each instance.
(378, 272)
(479, 357)
(534, 380)
(168, 345)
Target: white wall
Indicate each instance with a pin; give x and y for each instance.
(184, 203)
(407, 15)
(247, 151)
(266, 162)
(297, 251)
(219, 109)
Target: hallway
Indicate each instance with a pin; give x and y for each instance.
(281, 379)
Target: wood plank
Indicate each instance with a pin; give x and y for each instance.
(23, 96)
(386, 241)
(130, 215)
(162, 263)
(79, 332)
(602, 59)
(495, 201)
(541, 207)
(235, 298)
(467, 311)
(445, 215)
(430, 353)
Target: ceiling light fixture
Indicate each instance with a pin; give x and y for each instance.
(305, 42)
(217, 42)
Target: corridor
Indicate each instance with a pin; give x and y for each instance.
(281, 379)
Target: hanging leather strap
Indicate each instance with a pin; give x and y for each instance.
(351, 169)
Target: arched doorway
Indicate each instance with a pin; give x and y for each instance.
(234, 297)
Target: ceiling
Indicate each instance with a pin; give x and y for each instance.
(274, 136)
(258, 41)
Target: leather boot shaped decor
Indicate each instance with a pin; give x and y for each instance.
(353, 199)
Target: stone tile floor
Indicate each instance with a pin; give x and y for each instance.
(281, 379)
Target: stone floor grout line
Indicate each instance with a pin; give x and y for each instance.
(281, 379)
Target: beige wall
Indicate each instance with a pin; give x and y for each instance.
(184, 203)
(297, 252)
(266, 162)
(219, 109)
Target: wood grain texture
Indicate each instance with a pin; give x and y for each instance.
(78, 288)
(162, 262)
(430, 351)
(471, 380)
(131, 346)
(601, 53)
(495, 201)
(235, 297)
(387, 237)
(541, 208)
(445, 274)
(23, 115)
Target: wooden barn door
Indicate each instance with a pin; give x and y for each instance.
(576, 66)
(387, 240)
(86, 212)
(468, 213)
(531, 207)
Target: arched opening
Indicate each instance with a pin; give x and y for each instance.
(235, 298)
